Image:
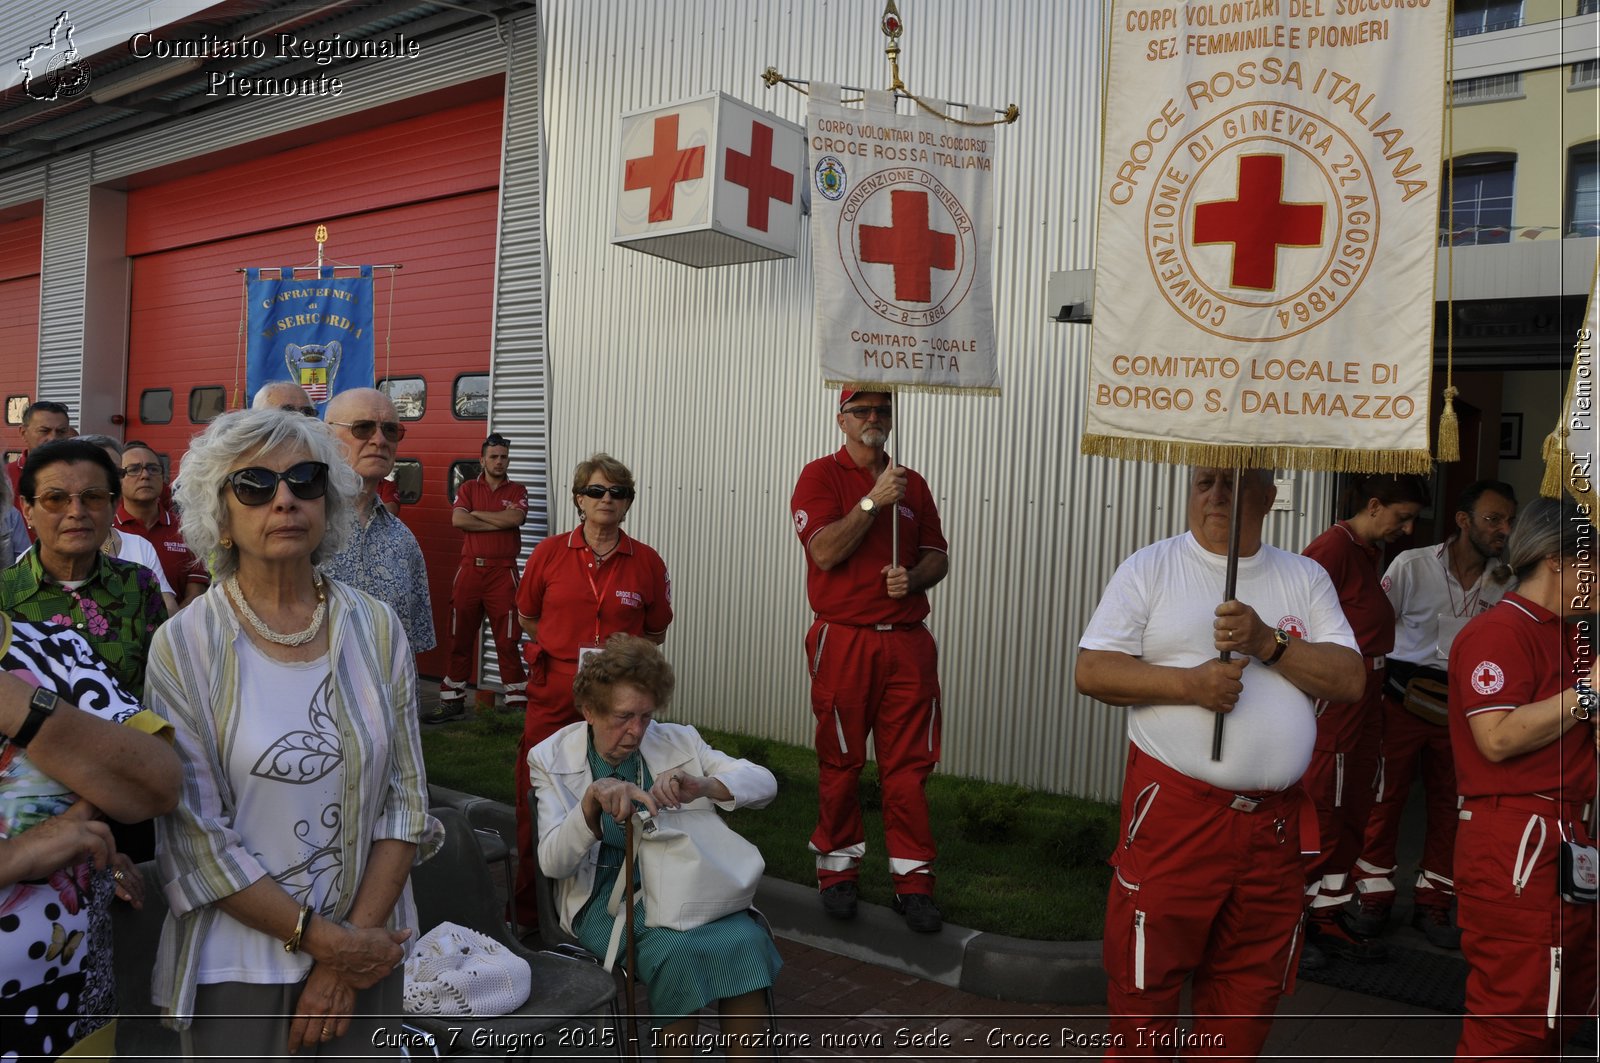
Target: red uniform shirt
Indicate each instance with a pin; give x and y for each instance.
(387, 491)
(852, 592)
(14, 474)
(178, 563)
(578, 604)
(1515, 654)
(1353, 567)
(477, 495)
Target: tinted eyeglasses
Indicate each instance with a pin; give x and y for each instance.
(308, 411)
(94, 499)
(393, 431)
(149, 468)
(256, 486)
(596, 491)
(861, 413)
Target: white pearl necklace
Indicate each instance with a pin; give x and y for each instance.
(298, 638)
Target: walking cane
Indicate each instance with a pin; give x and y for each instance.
(628, 972)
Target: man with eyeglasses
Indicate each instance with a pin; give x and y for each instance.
(381, 556)
(873, 663)
(42, 422)
(283, 395)
(490, 511)
(140, 512)
(1435, 590)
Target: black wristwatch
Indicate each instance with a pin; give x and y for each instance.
(40, 708)
(1281, 637)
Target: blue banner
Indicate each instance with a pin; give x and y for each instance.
(316, 332)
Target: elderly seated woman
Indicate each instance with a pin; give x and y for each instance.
(589, 776)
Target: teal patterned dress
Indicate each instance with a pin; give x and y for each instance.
(685, 969)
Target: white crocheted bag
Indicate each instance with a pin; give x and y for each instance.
(456, 971)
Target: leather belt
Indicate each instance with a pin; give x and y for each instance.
(1537, 804)
(493, 562)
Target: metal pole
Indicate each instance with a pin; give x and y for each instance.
(633, 964)
(1230, 587)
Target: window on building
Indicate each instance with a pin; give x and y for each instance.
(1487, 16)
(15, 404)
(460, 473)
(1486, 89)
(206, 404)
(471, 397)
(1481, 196)
(1588, 7)
(409, 395)
(1586, 75)
(1583, 190)
(155, 406)
(166, 466)
(408, 481)
(11, 456)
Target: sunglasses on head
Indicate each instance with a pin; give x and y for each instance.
(257, 485)
(94, 499)
(861, 413)
(596, 491)
(393, 431)
(307, 411)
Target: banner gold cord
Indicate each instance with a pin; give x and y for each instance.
(1251, 456)
(1449, 427)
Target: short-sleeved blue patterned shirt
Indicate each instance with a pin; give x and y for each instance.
(384, 560)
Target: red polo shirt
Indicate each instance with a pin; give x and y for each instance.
(579, 604)
(852, 592)
(477, 495)
(1514, 654)
(1352, 565)
(166, 535)
(14, 474)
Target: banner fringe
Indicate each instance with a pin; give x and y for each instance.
(1224, 455)
(890, 389)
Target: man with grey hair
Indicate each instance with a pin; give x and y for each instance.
(283, 395)
(1208, 872)
(381, 556)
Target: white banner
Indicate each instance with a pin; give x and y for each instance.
(1268, 229)
(901, 231)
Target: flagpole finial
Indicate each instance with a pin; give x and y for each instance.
(321, 236)
(892, 26)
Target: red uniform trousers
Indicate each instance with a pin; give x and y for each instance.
(1410, 743)
(1342, 784)
(1204, 888)
(1532, 955)
(884, 683)
(550, 708)
(483, 590)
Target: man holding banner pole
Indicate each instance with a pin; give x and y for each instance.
(1209, 863)
(872, 661)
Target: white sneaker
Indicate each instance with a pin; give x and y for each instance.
(517, 700)
(450, 690)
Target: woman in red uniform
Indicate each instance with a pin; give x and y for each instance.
(1520, 728)
(578, 589)
(1342, 777)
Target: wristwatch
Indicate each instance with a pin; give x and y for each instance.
(41, 706)
(1586, 700)
(867, 505)
(1281, 637)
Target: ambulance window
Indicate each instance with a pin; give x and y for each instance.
(460, 473)
(166, 466)
(408, 480)
(206, 404)
(408, 393)
(471, 398)
(15, 404)
(12, 455)
(155, 406)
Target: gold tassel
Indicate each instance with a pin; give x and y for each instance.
(1555, 463)
(1449, 429)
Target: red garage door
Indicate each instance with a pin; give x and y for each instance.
(19, 323)
(422, 193)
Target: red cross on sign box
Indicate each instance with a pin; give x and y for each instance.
(1258, 222)
(755, 172)
(664, 168)
(910, 245)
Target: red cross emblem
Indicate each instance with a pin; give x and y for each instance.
(1258, 222)
(910, 246)
(755, 172)
(1487, 678)
(663, 168)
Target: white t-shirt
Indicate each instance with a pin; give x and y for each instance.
(1421, 586)
(1160, 605)
(136, 548)
(285, 767)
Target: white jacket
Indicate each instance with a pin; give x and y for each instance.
(559, 768)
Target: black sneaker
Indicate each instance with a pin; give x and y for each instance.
(1312, 958)
(1437, 926)
(1371, 921)
(922, 915)
(1334, 937)
(444, 713)
(839, 900)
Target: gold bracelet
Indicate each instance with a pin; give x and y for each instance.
(293, 944)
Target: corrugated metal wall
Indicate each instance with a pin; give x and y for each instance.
(705, 383)
(61, 291)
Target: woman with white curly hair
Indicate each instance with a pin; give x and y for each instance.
(287, 861)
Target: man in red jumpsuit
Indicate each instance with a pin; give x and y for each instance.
(490, 510)
(872, 660)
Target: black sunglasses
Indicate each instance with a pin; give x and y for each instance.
(304, 411)
(256, 486)
(393, 431)
(596, 491)
(861, 413)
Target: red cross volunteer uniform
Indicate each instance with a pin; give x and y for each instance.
(486, 585)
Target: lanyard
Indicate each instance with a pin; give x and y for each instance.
(598, 591)
(1469, 602)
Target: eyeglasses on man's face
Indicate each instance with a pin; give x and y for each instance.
(307, 411)
(149, 468)
(393, 431)
(862, 413)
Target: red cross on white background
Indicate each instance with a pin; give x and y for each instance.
(1486, 678)
(1258, 222)
(663, 168)
(756, 173)
(908, 244)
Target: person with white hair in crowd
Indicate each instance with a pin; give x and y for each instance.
(283, 395)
